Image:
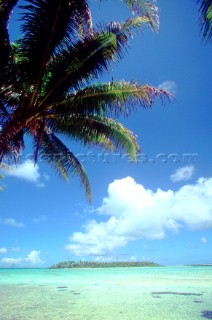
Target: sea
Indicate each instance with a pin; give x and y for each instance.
(139, 293)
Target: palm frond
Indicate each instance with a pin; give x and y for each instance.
(89, 58)
(85, 20)
(111, 99)
(97, 130)
(205, 18)
(10, 150)
(37, 132)
(6, 7)
(12, 84)
(146, 8)
(48, 26)
(13, 127)
(4, 114)
(63, 160)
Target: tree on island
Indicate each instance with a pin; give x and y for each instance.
(101, 264)
(47, 76)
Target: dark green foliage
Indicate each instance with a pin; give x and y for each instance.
(112, 264)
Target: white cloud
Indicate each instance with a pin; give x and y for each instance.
(12, 222)
(27, 171)
(183, 173)
(15, 249)
(32, 259)
(39, 219)
(169, 86)
(3, 250)
(204, 240)
(99, 239)
(134, 258)
(135, 212)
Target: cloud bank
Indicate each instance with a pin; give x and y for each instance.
(27, 171)
(133, 212)
(32, 259)
(3, 250)
(11, 222)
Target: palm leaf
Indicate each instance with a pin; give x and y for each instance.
(4, 114)
(6, 7)
(12, 84)
(97, 130)
(146, 8)
(11, 149)
(205, 18)
(63, 160)
(88, 58)
(37, 133)
(13, 127)
(48, 26)
(111, 99)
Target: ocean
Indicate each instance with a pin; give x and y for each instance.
(143, 293)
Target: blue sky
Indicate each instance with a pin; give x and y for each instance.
(158, 209)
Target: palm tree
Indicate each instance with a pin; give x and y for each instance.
(47, 88)
(205, 18)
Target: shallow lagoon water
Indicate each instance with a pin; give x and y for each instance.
(172, 293)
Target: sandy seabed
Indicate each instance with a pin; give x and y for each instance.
(170, 293)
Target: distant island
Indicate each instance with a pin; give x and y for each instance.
(98, 264)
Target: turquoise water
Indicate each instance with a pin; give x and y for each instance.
(170, 293)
